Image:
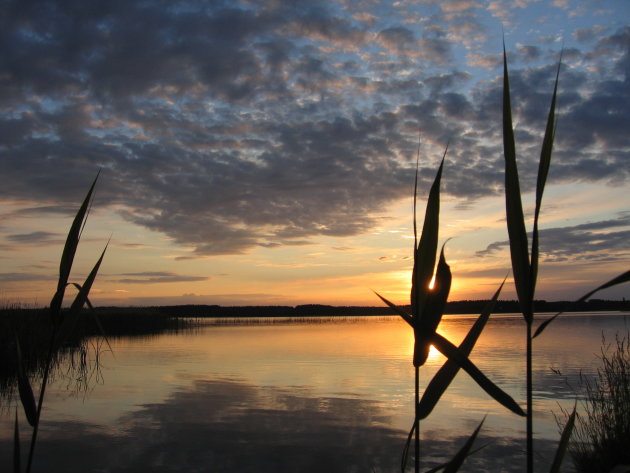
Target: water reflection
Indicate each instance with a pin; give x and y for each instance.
(323, 397)
(232, 426)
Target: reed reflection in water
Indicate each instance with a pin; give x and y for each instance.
(306, 397)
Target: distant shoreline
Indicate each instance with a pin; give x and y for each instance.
(320, 310)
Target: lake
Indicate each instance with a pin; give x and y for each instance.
(323, 396)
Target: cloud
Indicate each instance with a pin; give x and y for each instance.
(35, 238)
(23, 277)
(237, 125)
(529, 53)
(606, 240)
(397, 39)
(585, 35)
(157, 277)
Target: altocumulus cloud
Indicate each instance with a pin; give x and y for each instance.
(156, 277)
(233, 125)
(606, 240)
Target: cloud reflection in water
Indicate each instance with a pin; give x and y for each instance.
(230, 426)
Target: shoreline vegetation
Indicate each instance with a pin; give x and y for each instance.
(131, 320)
(322, 310)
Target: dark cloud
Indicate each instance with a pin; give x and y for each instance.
(397, 38)
(587, 34)
(607, 240)
(35, 238)
(529, 53)
(233, 125)
(23, 277)
(157, 277)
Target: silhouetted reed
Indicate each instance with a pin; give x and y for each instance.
(61, 329)
(524, 262)
(431, 285)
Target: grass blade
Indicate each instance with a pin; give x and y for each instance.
(563, 444)
(24, 387)
(97, 320)
(405, 454)
(445, 375)
(436, 300)
(543, 172)
(513, 205)
(424, 254)
(444, 465)
(624, 277)
(452, 352)
(69, 250)
(456, 462)
(454, 465)
(406, 317)
(17, 467)
(84, 290)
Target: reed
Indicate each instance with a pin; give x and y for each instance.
(524, 268)
(430, 287)
(524, 262)
(32, 327)
(76, 357)
(61, 324)
(428, 302)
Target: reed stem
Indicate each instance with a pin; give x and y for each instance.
(417, 421)
(530, 407)
(40, 403)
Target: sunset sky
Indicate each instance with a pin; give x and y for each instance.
(263, 152)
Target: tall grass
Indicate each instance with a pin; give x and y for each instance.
(76, 357)
(32, 327)
(602, 433)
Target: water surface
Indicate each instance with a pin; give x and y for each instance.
(326, 396)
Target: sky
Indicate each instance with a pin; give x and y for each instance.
(259, 152)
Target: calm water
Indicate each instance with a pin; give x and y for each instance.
(317, 397)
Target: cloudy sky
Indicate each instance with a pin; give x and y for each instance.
(262, 152)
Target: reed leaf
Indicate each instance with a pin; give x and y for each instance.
(564, 443)
(84, 290)
(17, 464)
(444, 465)
(457, 461)
(624, 277)
(97, 320)
(405, 316)
(436, 300)
(69, 250)
(543, 172)
(445, 375)
(24, 387)
(514, 207)
(452, 352)
(405, 454)
(424, 254)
